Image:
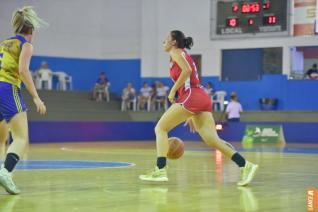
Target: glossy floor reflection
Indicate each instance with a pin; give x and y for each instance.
(202, 180)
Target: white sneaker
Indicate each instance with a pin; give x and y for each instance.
(247, 173)
(7, 183)
(158, 175)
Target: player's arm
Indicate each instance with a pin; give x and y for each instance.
(24, 63)
(186, 71)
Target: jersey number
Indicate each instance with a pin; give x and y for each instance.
(196, 71)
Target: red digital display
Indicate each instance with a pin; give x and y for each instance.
(235, 8)
(267, 5)
(251, 7)
(270, 20)
(250, 18)
(232, 22)
(250, 21)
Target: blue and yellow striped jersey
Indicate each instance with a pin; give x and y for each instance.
(10, 50)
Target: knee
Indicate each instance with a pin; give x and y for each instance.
(210, 139)
(159, 129)
(21, 138)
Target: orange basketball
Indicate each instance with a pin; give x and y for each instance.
(176, 148)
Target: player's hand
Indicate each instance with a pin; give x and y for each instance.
(40, 107)
(190, 123)
(171, 96)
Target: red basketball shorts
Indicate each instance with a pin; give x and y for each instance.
(196, 100)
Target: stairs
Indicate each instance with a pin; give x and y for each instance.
(77, 106)
(73, 106)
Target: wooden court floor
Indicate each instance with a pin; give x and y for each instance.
(202, 180)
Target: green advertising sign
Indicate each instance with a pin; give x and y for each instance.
(263, 134)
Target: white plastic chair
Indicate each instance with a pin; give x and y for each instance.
(132, 101)
(107, 92)
(158, 104)
(63, 80)
(218, 99)
(148, 103)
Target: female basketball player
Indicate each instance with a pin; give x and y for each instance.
(15, 56)
(193, 106)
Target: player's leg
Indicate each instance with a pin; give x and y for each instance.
(3, 137)
(175, 115)
(205, 126)
(13, 109)
(18, 126)
(19, 130)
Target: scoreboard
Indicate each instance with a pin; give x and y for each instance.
(249, 18)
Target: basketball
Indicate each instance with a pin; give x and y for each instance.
(176, 148)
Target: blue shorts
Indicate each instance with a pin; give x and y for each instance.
(11, 101)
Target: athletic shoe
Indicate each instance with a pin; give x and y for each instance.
(247, 173)
(157, 175)
(6, 181)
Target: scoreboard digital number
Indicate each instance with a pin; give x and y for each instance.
(249, 18)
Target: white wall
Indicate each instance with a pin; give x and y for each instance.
(101, 29)
(123, 29)
(193, 17)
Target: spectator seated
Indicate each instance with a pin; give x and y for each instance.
(44, 77)
(129, 100)
(161, 96)
(101, 88)
(145, 97)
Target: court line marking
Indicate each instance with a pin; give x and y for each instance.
(297, 151)
(90, 161)
(112, 152)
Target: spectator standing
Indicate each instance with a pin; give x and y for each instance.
(234, 109)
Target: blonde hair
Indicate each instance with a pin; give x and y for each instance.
(25, 20)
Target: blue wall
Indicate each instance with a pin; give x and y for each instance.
(121, 131)
(242, 64)
(291, 94)
(85, 71)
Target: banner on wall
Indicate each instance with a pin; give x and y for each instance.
(304, 17)
(263, 134)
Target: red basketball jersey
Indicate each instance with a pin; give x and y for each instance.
(192, 82)
(190, 95)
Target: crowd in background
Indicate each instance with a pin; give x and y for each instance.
(150, 97)
(43, 78)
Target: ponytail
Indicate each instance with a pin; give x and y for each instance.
(25, 20)
(188, 42)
